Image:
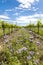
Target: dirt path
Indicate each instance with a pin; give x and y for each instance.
(7, 39)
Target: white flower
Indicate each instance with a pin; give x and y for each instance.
(31, 37)
(6, 41)
(20, 50)
(38, 43)
(36, 61)
(29, 57)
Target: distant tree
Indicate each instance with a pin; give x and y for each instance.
(39, 24)
(3, 27)
(30, 26)
(11, 27)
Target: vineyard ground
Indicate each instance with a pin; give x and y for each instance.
(15, 34)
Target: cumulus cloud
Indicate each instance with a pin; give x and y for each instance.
(26, 3)
(35, 9)
(4, 17)
(27, 19)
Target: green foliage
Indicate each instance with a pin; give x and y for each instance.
(7, 28)
(39, 22)
(18, 51)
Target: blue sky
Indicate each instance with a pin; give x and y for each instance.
(21, 11)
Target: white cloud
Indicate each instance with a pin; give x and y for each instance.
(16, 14)
(26, 3)
(4, 17)
(35, 9)
(37, 0)
(27, 19)
(9, 10)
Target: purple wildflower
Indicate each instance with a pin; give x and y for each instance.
(32, 53)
